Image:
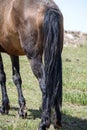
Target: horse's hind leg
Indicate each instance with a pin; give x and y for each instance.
(38, 70)
(17, 81)
(5, 101)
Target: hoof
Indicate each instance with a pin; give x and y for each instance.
(4, 110)
(57, 125)
(44, 126)
(23, 113)
(41, 129)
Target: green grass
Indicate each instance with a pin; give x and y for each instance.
(74, 108)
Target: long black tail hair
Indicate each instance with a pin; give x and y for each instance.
(52, 55)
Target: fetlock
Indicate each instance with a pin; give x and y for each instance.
(45, 123)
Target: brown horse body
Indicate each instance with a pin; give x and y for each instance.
(21, 18)
(24, 31)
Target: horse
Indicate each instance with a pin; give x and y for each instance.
(33, 28)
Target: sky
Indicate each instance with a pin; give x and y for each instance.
(74, 13)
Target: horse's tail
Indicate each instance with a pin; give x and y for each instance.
(53, 43)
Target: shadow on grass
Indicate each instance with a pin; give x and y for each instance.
(68, 122)
(73, 123)
(35, 113)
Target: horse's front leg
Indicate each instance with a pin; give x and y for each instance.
(5, 101)
(18, 82)
(38, 70)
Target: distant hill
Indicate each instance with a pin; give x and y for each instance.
(74, 38)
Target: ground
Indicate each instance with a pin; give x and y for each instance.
(74, 109)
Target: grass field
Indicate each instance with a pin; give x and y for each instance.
(74, 110)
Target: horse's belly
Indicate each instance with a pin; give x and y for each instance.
(12, 50)
(12, 46)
